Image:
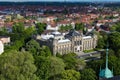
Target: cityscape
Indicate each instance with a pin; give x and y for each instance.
(59, 40)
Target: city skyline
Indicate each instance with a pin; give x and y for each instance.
(61, 0)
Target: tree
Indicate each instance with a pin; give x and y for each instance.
(49, 67)
(100, 43)
(18, 28)
(69, 60)
(118, 53)
(116, 27)
(113, 28)
(17, 66)
(66, 27)
(79, 26)
(114, 63)
(45, 51)
(72, 62)
(3, 31)
(40, 27)
(88, 74)
(114, 40)
(56, 67)
(33, 47)
(43, 67)
(97, 65)
(17, 45)
(80, 64)
(104, 35)
(70, 75)
(29, 32)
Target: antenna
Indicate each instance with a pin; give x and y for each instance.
(107, 55)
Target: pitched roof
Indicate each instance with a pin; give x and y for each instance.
(72, 33)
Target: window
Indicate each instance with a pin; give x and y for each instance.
(75, 43)
(80, 42)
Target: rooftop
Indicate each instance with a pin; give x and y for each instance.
(63, 41)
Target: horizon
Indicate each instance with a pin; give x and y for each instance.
(60, 1)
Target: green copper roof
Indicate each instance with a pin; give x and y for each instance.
(106, 73)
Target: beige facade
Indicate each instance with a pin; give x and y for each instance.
(5, 40)
(73, 41)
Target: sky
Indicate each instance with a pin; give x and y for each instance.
(62, 0)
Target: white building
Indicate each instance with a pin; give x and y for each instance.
(1, 47)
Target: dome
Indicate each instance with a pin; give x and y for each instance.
(106, 73)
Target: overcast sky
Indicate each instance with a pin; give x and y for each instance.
(59, 0)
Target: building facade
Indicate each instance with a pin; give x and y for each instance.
(3, 41)
(72, 41)
(1, 47)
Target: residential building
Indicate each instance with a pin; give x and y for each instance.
(5, 40)
(1, 47)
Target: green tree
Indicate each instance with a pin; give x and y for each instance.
(33, 47)
(18, 28)
(100, 43)
(43, 67)
(72, 62)
(79, 26)
(70, 75)
(88, 74)
(56, 67)
(40, 27)
(80, 64)
(48, 68)
(29, 32)
(97, 65)
(66, 27)
(45, 51)
(69, 60)
(17, 45)
(3, 31)
(114, 63)
(114, 40)
(116, 27)
(17, 66)
(113, 28)
(118, 53)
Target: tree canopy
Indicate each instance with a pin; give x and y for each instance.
(70, 75)
(17, 66)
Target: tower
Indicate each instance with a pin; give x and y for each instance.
(106, 73)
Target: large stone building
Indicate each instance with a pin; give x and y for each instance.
(72, 41)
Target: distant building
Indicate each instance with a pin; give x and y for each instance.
(72, 41)
(3, 41)
(1, 47)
